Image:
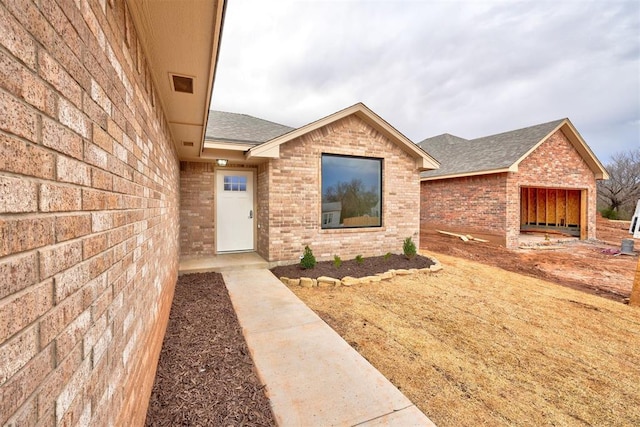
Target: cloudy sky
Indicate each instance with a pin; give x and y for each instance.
(469, 68)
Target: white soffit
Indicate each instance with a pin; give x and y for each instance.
(181, 37)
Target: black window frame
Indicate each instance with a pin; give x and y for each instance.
(380, 162)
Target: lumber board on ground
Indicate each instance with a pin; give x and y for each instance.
(460, 236)
(463, 237)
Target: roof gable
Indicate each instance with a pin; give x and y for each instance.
(271, 149)
(502, 152)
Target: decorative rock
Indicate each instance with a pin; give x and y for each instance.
(350, 281)
(284, 280)
(386, 276)
(328, 281)
(306, 282)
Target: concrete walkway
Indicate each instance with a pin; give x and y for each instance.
(312, 376)
(220, 263)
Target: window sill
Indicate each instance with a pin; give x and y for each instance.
(352, 230)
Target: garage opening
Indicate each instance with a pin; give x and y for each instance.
(553, 209)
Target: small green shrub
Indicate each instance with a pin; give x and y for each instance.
(359, 259)
(387, 256)
(308, 260)
(337, 262)
(409, 248)
(609, 213)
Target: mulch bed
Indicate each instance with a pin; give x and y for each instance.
(369, 266)
(205, 374)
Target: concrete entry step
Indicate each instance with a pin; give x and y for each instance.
(222, 262)
(312, 376)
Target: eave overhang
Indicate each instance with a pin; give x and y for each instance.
(182, 38)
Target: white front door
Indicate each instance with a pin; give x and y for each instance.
(234, 210)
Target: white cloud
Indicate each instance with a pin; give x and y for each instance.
(470, 68)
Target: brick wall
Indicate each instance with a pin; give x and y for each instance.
(474, 204)
(294, 201)
(490, 204)
(262, 209)
(554, 164)
(197, 209)
(88, 216)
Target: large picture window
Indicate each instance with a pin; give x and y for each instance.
(351, 191)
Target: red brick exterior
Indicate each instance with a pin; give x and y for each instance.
(554, 164)
(89, 221)
(490, 204)
(197, 209)
(474, 204)
(289, 200)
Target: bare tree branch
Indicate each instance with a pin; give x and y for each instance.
(621, 191)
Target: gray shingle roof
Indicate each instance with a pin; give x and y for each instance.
(461, 156)
(242, 128)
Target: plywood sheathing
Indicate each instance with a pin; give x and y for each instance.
(573, 207)
(553, 207)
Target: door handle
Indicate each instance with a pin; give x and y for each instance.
(251, 214)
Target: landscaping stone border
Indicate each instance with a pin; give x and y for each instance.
(326, 282)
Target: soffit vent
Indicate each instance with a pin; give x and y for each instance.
(182, 84)
(187, 143)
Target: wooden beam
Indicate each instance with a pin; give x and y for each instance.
(566, 208)
(584, 224)
(540, 214)
(523, 206)
(634, 299)
(551, 210)
(546, 206)
(531, 218)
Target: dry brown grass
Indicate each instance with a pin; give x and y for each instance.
(477, 345)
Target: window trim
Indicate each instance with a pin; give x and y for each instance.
(380, 224)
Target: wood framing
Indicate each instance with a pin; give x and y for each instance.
(557, 209)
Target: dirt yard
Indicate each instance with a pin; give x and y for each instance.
(588, 266)
(478, 345)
